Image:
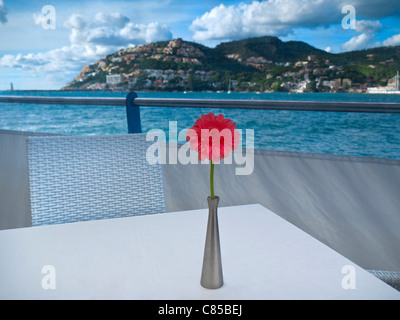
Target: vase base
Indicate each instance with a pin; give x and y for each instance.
(211, 286)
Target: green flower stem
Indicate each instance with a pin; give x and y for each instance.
(212, 179)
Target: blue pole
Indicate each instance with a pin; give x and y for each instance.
(133, 114)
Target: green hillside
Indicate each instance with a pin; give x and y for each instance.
(270, 48)
(255, 64)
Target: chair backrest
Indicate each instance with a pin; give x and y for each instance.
(78, 178)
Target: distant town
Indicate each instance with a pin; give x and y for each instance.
(255, 66)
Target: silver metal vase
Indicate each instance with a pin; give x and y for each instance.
(211, 275)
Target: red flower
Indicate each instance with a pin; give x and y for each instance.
(213, 137)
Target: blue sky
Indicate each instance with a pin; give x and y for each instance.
(36, 57)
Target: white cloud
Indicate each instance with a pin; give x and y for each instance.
(367, 30)
(392, 41)
(111, 19)
(368, 26)
(360, 42)
(280, 17)
(141, 33)
(75, 21)
(260, 18)
(328, 49)
(3, 13)
(89, 42)
(9, 61)
(65, 58)
(114, 30)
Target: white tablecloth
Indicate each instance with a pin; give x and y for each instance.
(160, 257)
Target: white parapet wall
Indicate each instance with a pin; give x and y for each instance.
(14, 182)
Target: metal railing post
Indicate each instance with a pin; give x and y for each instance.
(133, 114)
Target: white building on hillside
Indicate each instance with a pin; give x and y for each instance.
(113, 79)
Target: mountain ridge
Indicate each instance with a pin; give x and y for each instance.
(254, 64)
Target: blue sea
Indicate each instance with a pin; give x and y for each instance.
(341, 133)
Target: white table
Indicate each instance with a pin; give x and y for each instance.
(160, 257)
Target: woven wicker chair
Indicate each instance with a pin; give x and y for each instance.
(78, 178)
(392, 278)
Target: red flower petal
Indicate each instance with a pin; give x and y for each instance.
(213, 137)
